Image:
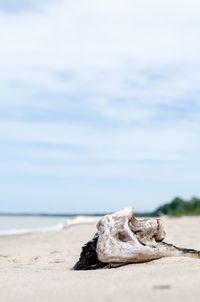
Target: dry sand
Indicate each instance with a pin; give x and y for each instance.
(39, 268)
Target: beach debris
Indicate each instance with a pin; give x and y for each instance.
(88, 258)
(122, 239)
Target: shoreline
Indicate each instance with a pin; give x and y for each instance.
(75, 221)
(63, 224)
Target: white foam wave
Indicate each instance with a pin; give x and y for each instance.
(68, 222)
(10, 232)
(78, 220)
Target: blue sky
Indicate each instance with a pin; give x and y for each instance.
(99, 104)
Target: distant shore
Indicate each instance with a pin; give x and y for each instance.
(51, 214)
(176, 207)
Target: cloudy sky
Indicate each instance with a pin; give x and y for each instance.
(99, 104)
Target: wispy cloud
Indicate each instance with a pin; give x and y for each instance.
(20, 6)
(104, 93)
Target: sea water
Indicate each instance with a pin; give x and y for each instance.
(16, 225)
(13, 225)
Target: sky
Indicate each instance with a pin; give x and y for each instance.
(99, 104)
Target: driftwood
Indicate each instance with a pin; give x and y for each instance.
(123, 239)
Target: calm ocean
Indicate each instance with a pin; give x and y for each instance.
(10, 225)
(15, 225)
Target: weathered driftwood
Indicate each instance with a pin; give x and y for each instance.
(123, 239)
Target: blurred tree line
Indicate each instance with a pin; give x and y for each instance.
(179, 207)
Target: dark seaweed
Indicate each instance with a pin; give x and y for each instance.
(88, 258)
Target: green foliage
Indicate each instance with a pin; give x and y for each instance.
(180, 207)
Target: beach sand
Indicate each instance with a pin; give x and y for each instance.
(38, 268)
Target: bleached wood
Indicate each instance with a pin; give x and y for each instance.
(124, 239)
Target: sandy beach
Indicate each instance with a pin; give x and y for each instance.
(38, 267)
